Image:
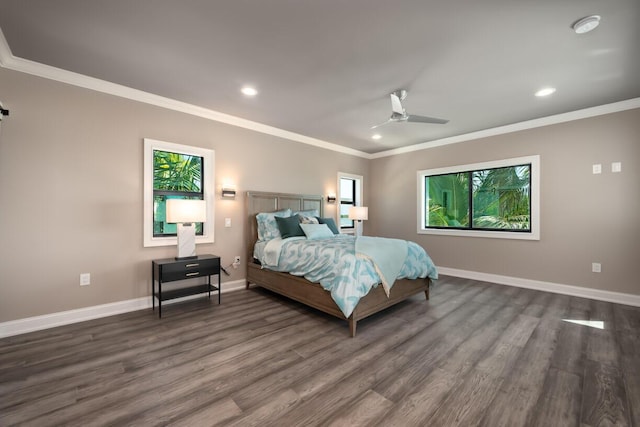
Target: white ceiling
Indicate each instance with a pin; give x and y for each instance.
(324, 68)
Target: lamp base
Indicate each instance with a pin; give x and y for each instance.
(186, 240)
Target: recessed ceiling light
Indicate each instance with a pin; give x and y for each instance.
(249, 91)
(586, 24)
(546, 91)
(376, 136)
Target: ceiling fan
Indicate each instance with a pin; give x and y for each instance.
(399, 114)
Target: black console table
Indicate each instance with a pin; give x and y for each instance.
(171, 270)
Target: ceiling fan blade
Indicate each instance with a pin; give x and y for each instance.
(396, 105)
(382, 124)
(424, 119)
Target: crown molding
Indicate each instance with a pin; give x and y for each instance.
(600, 110)
(9, 61)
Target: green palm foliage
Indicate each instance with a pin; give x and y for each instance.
(175, 175)
(177, 172)
(499, 199)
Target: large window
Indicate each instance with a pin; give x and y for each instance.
(493, 199)
(175, 171)
(349, 195)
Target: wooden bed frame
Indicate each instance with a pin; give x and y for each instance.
(302, 290)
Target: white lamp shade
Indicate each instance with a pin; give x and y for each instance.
(359, 213)
(185, 211)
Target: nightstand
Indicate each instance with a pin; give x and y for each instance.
(171, 270)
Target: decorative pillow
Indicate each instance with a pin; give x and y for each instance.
(330, 223)
(316, 231)
(267, 227)
(308, 213)
(289, 227)
(308, 220)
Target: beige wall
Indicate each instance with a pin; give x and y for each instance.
(71, 196)
(71, 191)
(585, 218)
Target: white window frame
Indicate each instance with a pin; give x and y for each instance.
(534, 234)
(359, 200)
(208, 157)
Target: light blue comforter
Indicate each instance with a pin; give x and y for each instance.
(335, 264)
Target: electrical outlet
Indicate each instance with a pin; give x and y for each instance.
(596, 267)
(85, 279)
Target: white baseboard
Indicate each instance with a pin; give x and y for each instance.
(556, 288)
(46, 321)
(31, 324)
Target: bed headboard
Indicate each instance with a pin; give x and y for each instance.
(257, 202)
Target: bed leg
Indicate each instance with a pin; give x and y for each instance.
(352, 326)
(426, 293)
(247, 285)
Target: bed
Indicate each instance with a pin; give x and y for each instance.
(302, 290)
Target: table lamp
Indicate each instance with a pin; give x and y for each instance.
(359, 214)
(186, 213)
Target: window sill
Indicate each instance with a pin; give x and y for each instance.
(486, 234)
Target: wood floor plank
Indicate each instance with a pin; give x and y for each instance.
(476, 353)
(251, 395)
(521, 388)
(560, 400)
(276, 405)
(423, 400)
(181, 382)
(632, 388)
(571, 349)
(214, 414)
(605, 400)
(363, 412)
(466, 403)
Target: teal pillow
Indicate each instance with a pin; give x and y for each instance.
(317, 231)
(330, 223)
(289, 227)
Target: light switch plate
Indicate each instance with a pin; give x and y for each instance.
(597, 168)
(616, 167)
(227, 222)
(85, 279)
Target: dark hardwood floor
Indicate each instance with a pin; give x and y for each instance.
(475, 354)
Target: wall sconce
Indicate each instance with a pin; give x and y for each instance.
(186, 212)
(331, 198)
(228, 191)
(3, 112)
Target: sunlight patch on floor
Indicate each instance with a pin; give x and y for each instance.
(598, 324)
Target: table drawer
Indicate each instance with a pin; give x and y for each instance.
(188, 269)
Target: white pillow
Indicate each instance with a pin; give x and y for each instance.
(317, 231)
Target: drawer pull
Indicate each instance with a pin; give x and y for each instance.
(192, 265)
(193, 274)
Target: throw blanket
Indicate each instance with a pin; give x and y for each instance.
(387, 255)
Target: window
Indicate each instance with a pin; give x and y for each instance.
(175, 176)
(350, 194)
(175, 171)
(494, 199)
